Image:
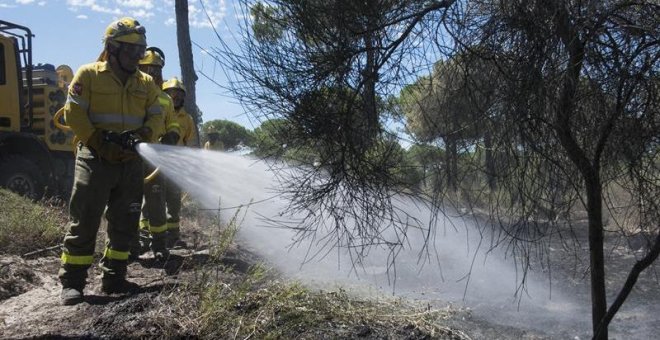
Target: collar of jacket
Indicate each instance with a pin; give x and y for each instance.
(181, 112)
(104, 66)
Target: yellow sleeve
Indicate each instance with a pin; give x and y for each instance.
(191, 134)
(154, 119)
(77, 104)
(171, 124)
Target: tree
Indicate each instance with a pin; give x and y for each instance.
(443, 107)
(317, 65)
(270, 138)
(231, 134)
(574, 110)
(574, 76)
(428, 160)
(188, 74)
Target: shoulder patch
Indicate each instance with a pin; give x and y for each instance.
(77, 89)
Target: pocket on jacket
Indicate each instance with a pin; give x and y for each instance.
(105, 98)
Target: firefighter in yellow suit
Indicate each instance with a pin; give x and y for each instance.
(154, 216)
(111, 107)
(214, 143)
(177, 91)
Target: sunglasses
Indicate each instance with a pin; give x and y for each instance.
(133, 49)
(150, 69)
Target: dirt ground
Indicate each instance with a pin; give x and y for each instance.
(31, 309)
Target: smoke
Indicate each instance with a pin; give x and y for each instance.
(456, 269)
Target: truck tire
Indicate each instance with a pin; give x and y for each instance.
(22, 176)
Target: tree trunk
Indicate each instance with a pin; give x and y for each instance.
(370, 76)
(628, 286)
(490, 161)
(188, 75)
(451, 161)
(590, 171)
(596, 241)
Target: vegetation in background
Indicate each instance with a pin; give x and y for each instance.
(271, 140)
(231, 134)
(539, 107)
(27, 226)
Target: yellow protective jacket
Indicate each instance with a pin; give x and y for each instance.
(98, 100)
(169, 115)
(217, 146)
(188, 132)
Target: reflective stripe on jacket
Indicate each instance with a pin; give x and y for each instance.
(98, 100)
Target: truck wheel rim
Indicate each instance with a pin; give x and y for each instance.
(21, 184)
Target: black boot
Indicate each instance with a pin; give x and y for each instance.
(71, 296)
(174, 239)
(73, 279)
(159, 247)
(140, 245)
(136, 249)
(116, 285)
(113, 280)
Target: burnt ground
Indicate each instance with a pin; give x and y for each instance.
(156, 311)
(164, 307)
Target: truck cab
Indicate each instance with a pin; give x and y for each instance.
(36, 156)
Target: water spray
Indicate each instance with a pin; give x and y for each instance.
(250, 186)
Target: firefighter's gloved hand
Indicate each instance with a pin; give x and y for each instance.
(145, 133)
(129, 140)
(105, 145)
(170, 138)
(111, 137)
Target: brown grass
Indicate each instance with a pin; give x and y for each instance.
(26, 226)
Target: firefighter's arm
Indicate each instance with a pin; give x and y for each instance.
(172, 126)
(154, 124)
(191, 134)
(77, 106)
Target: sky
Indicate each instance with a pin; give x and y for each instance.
(70, 32)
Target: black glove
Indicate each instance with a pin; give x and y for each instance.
(103, 142)
(129, 140)
(111, 137)
(170, 138)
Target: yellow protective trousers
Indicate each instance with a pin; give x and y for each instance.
(97, 184)
(173, 200)
(154, 209)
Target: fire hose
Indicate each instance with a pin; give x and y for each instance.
(126, 139)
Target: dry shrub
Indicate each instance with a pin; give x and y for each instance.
(27, 226)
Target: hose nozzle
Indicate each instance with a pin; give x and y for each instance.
(128, 140)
